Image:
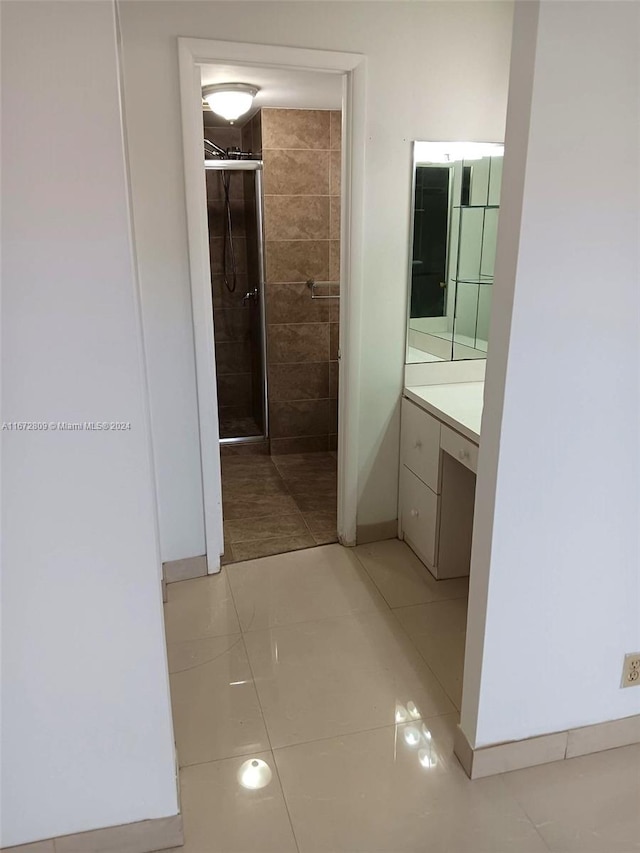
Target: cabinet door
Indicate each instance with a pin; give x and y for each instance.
(419, 516)
(421, 444)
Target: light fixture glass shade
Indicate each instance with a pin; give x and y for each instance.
(230, 100)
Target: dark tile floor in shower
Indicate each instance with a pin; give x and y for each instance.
(232, 426)
(273, 504)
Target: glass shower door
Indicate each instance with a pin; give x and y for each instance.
(236, 253)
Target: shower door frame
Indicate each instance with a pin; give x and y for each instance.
(253, 166)
(192, 53)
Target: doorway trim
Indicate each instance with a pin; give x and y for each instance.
(192, 53)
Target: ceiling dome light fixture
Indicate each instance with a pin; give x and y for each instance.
(230, 100)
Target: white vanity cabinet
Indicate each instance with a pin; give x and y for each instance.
(437, 490)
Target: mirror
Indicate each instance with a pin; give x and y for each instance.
(456, 198)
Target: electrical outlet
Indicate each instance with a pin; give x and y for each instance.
(631, 670)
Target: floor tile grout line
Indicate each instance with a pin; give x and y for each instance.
(230, 635)
(209, 660)
(298, 512)
(372, 581)
(305, 521)
(243, 631)
(389, 608)
(267, 515)
(285, 801)
(327, 619)
(273, 749)
(233, 598)
(522, 808)
(294, 497)
(426, 663)
(266, 728)
(321, 618)
(254, 753)
(238, 560)
(303, 743)
(271, 536)
(401, 606)
(427, 603)
(392, 725)
(240, 754)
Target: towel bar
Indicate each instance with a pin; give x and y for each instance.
(311, 284)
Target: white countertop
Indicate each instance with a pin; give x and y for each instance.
(458, 404)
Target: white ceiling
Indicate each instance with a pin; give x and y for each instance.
(309, 90)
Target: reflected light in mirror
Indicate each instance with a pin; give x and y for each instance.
(254, 773)
(449, 152)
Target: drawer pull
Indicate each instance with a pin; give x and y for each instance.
(460, 448)
(415, 513)
(418, 445)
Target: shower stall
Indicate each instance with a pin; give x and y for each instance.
(236, 251)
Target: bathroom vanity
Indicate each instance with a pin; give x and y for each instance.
(455, 208)
(440, 439)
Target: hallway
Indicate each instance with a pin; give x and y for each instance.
(341, 670)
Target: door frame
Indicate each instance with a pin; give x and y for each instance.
(192, 53)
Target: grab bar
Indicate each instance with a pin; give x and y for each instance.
(311, 284)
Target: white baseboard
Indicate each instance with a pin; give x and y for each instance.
(366, 533)
(183, 570)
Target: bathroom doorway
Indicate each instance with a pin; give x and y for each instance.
(343, 320)
(273, 203)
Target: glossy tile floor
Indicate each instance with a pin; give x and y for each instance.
(274, 504)
(314, 697)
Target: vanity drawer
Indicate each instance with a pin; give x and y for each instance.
(421, 444)
(460, 448)
(419, 516)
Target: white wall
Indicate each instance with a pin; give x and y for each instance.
(86, 725)
(560, 450)
(435, 71)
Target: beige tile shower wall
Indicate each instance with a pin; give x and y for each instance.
(301, 155)
(252, 136)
